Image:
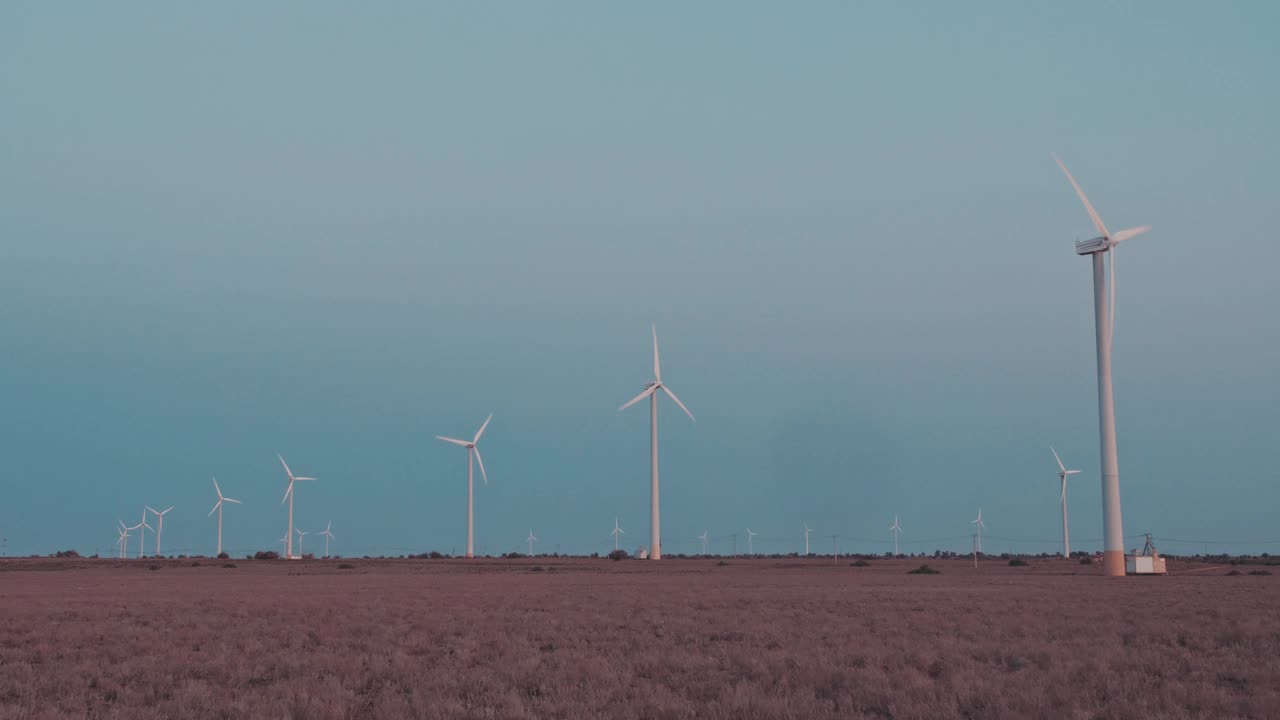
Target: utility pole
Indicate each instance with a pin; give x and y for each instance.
(735, 544)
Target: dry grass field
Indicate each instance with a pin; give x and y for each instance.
(597, 639)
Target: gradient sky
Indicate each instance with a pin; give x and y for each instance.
(229, 230)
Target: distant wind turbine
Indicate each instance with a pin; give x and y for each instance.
(284, 543)
(288, 495)
(123, 540)
(896, 529)
(159, 525)
(472, 452)
(978, 527)
(1104, 315)
(301, 534)
(703, 538)
(807, 530)
(750, 535)
(142, 527)
(651, 392)
(531, 540)
(1063, 472)
(328, 535)
(218, 507)
(616, 532)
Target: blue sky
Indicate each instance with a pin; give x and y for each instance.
(332, 232)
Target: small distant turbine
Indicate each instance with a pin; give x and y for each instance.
(978, 527)
(288, 495)
(750, 535)
(896, 529)
(284, 543)
(218, 507)
(160, 525)
(472, 452)
(807, 530)
(328, 535)
(142, 527)
(616, 532)
(703, 538)
(123, 540)
(531, 540)
(1063, 472)
(301, 534)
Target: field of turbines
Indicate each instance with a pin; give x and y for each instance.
(590, 638)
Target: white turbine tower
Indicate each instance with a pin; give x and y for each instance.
(284, 544)
(616, 532)
(896, 529)
(142, 527)
(123, 540)
(472, 452)
(807, 530)
(301, 534)
(978, 526)
(531, 540)
(749, 536)
(703, 538)
(328, 535)
(160, 525)
(288, 495)
(1063, 472)
(651, 392)
(218, 507)
(1104, 312)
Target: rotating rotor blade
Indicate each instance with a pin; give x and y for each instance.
(215, 507)
(647, 392)
(480, 462)
(481, 430)
(287, 471)
(287, 491)
(1093, 214)
(657, 368)
(455, 441)
(216, 488)
(1055, 457)
(672, 395)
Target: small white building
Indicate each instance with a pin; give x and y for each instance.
(1147, 562)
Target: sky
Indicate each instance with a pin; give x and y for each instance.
(334, 232)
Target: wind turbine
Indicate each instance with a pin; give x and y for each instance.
(978, 526)
(651, 392)
(472, 452)
(284, 542)
(1104, 312)
(288, 495)
(328, 535)
(616, 532)
(1063, 472)
(160, 525)
(749, 536)
(301, 534)
(806, 538)
(218, 506)
(123, 540)
(531, 539)
(896, 529)
(142, 527)
(703, 538)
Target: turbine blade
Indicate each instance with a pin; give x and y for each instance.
(287, 491)
(481, 430)
(1055, 457)
(216, 488)
(672, 395)
(1132, 232)
(227, 499)
(166, 510)
(647, 392)
(455, 441)
(1111, 304)
(287, 471)
(657, 368)
(1073, 472)
(1097, 221)
(215, 508)
(480, 462)
(153, 510)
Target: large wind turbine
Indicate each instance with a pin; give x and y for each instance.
(651, 392)
(218, 507)
(142, 529)
(328, 535)
(301, 535)
(472, 452)
(978, 527)
(288, 495)
(531, 540)
(896, 529)
(123, 540)
(160, 525)
(616, 532)
(1063, 472)
(703, 538)
(1104, 312)
(749, 536)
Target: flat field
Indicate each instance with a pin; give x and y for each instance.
(548, 638)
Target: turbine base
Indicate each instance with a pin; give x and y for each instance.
(1113, 563)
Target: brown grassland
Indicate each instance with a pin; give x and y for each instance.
(556, 638)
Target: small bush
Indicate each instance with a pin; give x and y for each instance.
(223, 556)
(1233, 572)
(537, 568)
(1018, 562)
(229, 565)
(195, 564)
(923, 570)
(345, 566)
(1086, 560)
(266, 555)
(1259, 572)
(619, 554)
(153, 567)
(722, 563)
(66, 554)
(860, 563)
